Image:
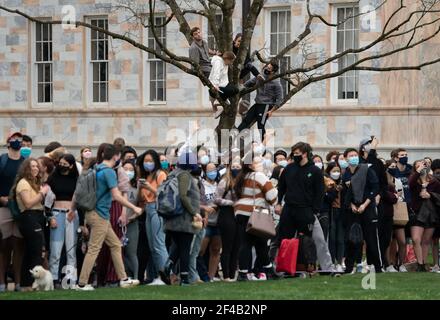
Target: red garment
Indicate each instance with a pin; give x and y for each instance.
(105, 269)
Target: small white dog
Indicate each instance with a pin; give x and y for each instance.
(43, 279)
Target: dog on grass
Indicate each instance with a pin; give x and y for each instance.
(43, 280)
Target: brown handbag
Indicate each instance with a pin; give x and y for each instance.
(400, 217)
(260, 222)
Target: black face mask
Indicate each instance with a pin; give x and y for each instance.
(15, 145)
(267, 72)
(297, 159)
(117, 163)
(63, 170)
(437, 176)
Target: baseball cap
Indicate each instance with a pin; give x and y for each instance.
(364, 142)
(17, 133)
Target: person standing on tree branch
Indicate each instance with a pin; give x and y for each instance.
(269, 95)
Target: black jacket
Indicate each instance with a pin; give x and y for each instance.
(379, 168)
(302, 187)
(371, 187)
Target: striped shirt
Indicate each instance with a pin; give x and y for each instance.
(257, 184)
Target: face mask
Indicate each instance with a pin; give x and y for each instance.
(437, 176)
(353, 161)
(212, 175)
(63, 170)
(235, 172)
(204, 160)
(343, 164)
(367, 148)
(149, 166)
(25, 152)
(267, 163)
(259, 149)
(403, 160)
(282, 163)
(164, 165)
(335, 175)
(117, 163)
(15, 145)
(222, 172)
(319, 165)
(197, 172)
(130, 174)
(297, 159)
(87, 154)
(266, 72)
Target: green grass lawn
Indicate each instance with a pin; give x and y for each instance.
(410, 286)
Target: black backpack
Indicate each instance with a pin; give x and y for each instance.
(355, 235)
(306, 253)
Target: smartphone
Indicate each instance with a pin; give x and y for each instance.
(142, 181)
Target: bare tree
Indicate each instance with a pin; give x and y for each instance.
(406, 25)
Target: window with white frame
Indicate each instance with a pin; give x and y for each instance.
(157, 68)
(211, 39)
(99, 60)
(43, 61)
(279, 37)
(347, 37)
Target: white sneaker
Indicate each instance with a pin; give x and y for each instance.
(390, 268)
(262, 277)
(128, 283)
(215, 279)
(402, 268)
(435, 269)
(365, 269)
(219, 111)
(87, 287)
(157, 282)
(343, 266)
(252, 277)
(339, 268)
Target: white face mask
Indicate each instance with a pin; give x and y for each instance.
(282, 163)
(259, 149)
(335, 175)
(367, 148)
(319, 165)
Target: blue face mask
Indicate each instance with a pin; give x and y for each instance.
(204, 160)
(235, 172)
(165, 165)
(149, 166)
(283, 163)
(343, 164)
(25, 152)
(130, 174)
(212, 175)
(353, 161)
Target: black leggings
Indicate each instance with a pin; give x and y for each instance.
(230, 244)
(181, 249)
(31, 225)
(248, 241)
(249, 68)
(227, 92)
(258, 112)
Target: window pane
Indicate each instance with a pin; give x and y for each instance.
(96, 92)
(273, 44)
(356, 40)
(340, 41)
(45, 31)
(160, 70)
(103, 71)
(40, 93)
(38, 51)
(38, 28)
(282, 21)
(103, 97)
(95, 72)
(273, 22)
(153, 96)
(94, 50)
(101, 50)
(47, 92)
(40, 72)
(349, 40)
(47, 72)
(45, 51)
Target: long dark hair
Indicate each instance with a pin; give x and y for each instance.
(156, 159)
(239, 182)
(73, 172)
(25, 172)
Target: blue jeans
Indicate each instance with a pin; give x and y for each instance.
(64, 233)
(195, 250)
(156, 240)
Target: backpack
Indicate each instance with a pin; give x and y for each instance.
(168, 200)
(13, 204)
(306, 253)
(85, 191)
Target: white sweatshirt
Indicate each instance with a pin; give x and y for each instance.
(219, 72)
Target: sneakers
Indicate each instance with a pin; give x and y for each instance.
(87, 287)
(435, 269)
(339, 268)
(128, 283)
(402, 268)
(157, 282)
(261, 277)
(219, 111)
(229, 280)
(242, 276)
(215, 279)
(391, 268)
(359, 268)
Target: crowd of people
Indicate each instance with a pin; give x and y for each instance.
(352, 204)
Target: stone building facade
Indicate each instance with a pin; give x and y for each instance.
(75, 87)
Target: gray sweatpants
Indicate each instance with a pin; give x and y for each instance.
(194, 253)
(322, 251)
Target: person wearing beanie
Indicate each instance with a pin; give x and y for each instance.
(181, 229)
